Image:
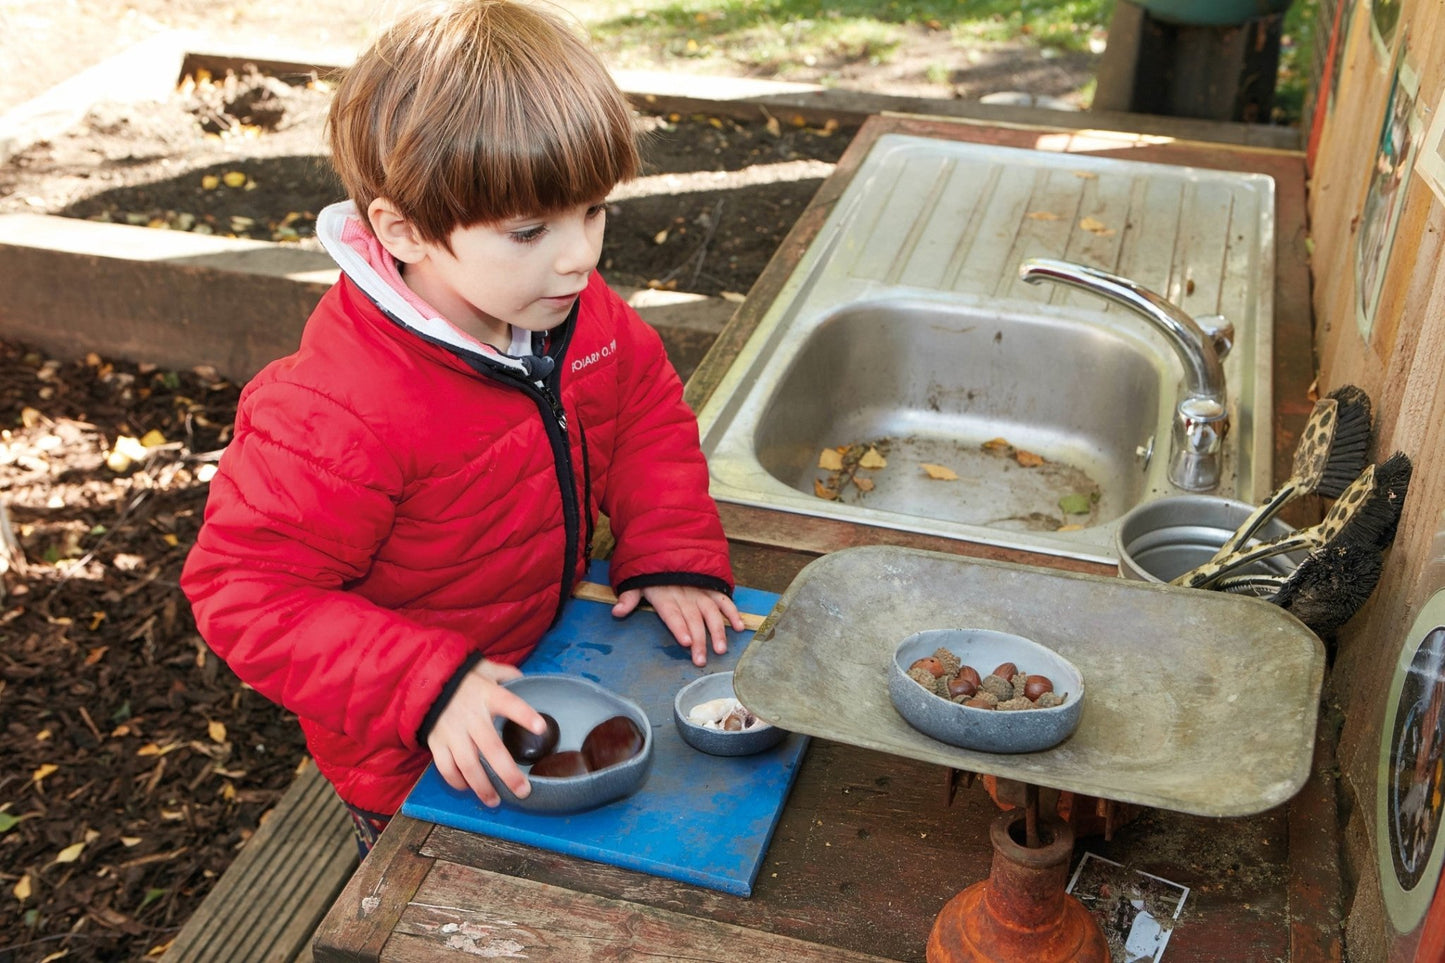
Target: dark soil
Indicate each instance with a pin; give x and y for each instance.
(133, 764)
(245, 157)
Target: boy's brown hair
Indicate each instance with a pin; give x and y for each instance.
(474, 111)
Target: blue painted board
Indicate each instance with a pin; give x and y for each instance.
(700, 819)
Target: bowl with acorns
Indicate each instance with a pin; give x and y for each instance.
(986, 690)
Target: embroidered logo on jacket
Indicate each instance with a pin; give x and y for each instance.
(605, 352)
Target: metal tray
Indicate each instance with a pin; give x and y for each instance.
(1200, 702)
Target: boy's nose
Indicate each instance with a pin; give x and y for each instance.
(580, 252)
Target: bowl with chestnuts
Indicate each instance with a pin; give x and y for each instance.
(985, 690)
(710, 718)
(597, 747)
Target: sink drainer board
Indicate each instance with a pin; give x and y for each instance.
(904, 327)
(1199, 702)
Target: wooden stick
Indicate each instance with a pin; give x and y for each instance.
(596, 592)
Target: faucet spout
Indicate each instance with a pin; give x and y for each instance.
(1201, 416)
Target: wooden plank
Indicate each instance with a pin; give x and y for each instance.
(504, 916)
(360, 922)
(269, 900)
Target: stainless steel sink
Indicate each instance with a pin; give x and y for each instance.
(1028, 418)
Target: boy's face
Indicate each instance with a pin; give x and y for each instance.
(525, 271)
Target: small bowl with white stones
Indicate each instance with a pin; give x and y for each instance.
(1041, 708)
(710, 718)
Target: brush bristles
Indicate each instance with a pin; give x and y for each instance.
(1373, 524)
(1330, 586)
(1350, 443)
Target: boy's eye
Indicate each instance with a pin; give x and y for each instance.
(595, 209)
(529, 234)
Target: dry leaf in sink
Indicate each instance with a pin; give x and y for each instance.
(871, 459)
(864, 484)
(1028, 459)
(1095, 226)
(996, 444)
(823, 491)
(830, 459)
(938, 472)
(1042, 216)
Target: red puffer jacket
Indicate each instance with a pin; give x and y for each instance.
(391, 507)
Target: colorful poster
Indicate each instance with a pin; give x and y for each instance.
(1385, 198)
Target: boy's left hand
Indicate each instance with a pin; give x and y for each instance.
(691, 614)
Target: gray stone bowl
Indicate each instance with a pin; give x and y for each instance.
(987, 730)
(718, 685)
(577, 704)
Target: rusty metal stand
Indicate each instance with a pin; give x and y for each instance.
(1020, 914)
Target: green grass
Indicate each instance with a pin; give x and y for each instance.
(777, 35)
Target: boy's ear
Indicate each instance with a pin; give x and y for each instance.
(397, 234)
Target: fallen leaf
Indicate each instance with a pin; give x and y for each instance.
(152, 438)
(864, 484)
(734, 297)
(217, 731)
(871, 459)
(70, 853)
(1071, 527)
(1076, 503)
(830, 459)
(170, 539)
(995, 444)
(1095, 226)
(96, 654)
(234, 178)
(773, 127)
(1028, 459)
(1042, 216)
(939, 473)
(22, 888)
(45, 770)
(8, 822)
(660, 237)
(823, 491)
(210, 182)
(95, 619)
(129, 841)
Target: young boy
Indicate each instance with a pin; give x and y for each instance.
(409, 499)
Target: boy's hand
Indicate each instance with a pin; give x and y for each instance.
(464, 731)
(691, 614)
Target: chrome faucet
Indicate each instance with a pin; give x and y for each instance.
(1201, 418)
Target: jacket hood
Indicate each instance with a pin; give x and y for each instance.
(361, 258)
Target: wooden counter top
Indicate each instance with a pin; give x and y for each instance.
(867, 850)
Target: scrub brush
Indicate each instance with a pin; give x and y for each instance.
(1324, 591)
(1366, 514)
(1332, 451)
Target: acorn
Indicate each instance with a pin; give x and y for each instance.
(961, 685)
(982, 701)
(1049, 700)
(951, 662)
(1006, 671)
(929, 663)
(924, 678)
(970, 673)
(999, 687)
(1015, 704)
(1035, 686)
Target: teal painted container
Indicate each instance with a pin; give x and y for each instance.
(1211, 13)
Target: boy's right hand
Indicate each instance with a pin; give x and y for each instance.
(464, 732)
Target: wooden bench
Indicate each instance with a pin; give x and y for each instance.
(267, 904)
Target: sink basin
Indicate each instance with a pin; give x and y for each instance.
(997, 412)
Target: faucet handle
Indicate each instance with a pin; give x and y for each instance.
(1220, 332)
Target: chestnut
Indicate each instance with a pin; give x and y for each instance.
(1037, 685)
(525, 745)
(611, 741)
(560, 765)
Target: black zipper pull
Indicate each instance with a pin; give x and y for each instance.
(554, 404)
